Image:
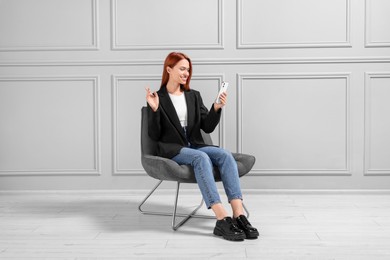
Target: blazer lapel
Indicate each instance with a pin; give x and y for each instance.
(190, 100)
(167, 105)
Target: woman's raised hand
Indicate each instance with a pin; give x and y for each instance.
(223, 100)
(152, 99)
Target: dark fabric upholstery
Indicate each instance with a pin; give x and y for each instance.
(166, 169)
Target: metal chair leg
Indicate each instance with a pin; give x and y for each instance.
(174, 214)
(146, 198)
(192, 214)
(246, 210)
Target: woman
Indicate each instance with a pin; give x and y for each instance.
(176, 115)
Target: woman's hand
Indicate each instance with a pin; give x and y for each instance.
(152, 99)
(223, 100)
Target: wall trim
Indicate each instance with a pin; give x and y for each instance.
(205, 46)
(114, 88)
(216, 61)
(296, 172)
(93, 46)
(115, 80)
(367, 115)
(291, 45)
(221, 126)
(96, 111)
(194, 191)
(367, 28)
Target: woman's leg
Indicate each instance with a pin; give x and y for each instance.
(237, 207)
(219, 211)
(227, 166)
(230, 178)
(203, 169)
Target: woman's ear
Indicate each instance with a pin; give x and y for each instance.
(169, 69)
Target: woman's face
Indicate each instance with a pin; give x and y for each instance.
(180, 72)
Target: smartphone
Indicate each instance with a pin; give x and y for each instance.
(223, 88)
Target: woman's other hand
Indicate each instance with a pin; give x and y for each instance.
(223, 100)
(152, 99)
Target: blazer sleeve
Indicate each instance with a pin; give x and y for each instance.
(154, 125)
(209, 119)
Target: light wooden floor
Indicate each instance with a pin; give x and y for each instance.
(107, 225)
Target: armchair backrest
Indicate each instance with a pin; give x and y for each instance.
(148, 146)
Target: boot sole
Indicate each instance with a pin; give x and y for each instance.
(251, 236)
(218, 232)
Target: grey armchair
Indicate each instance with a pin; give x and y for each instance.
(164, 169)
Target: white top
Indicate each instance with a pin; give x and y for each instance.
(179, 102)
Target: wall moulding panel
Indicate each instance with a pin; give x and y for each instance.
(52, 125)
(215, 61)
(208, 85)
(293, 133)
(377, 22)
(200, 28)
(128, 98)
(377, 124)
(49, 25)
(286, 24)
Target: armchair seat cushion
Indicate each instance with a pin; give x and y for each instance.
(166, 169)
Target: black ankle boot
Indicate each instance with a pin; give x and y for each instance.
(243, 223)
(228, 230)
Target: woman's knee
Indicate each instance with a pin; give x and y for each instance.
(226, 154)
(201, 158)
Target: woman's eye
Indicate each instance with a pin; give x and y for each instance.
(183, 69)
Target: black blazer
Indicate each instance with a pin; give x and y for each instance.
(165, 127)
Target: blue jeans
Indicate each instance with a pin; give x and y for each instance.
(202, 160)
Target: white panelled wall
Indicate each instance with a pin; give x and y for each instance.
(309, 88)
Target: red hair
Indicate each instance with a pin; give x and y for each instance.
(170, 61)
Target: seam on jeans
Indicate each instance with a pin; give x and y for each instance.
(234, 194)
(209, 197)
